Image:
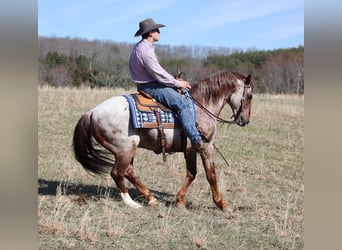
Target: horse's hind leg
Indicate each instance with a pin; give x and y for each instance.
(130, 175)
(118, 174)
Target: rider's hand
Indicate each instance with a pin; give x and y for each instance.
(185, 84)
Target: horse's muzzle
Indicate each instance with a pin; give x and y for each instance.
(242, 122)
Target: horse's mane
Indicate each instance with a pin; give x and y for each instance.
(215, 86)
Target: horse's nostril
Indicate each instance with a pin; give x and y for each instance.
(242, 122)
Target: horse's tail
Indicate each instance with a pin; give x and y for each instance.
(92, 156)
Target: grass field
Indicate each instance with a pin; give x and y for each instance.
(264, 183)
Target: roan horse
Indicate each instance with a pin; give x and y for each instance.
(107, 131)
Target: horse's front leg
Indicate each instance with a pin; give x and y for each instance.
(209, 166)
(191, 172)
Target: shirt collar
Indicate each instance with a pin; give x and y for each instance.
(147, 42)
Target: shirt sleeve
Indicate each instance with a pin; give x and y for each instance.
(153, 67)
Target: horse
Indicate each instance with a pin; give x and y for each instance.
(105, 141)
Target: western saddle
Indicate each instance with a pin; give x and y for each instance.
(146, 103)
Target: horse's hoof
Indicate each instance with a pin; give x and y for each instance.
(180, 205)
(153, 203)
(228, 210)
(128, 201)
(135, 206)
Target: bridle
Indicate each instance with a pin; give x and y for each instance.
(243, 99)
(235, 115)
(212, 115)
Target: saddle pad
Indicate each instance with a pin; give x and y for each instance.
(143, 119)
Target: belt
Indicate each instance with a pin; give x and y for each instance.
(146, 84)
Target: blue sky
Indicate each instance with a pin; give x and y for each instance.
(244, 24)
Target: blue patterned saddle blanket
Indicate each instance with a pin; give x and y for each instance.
(146, 118)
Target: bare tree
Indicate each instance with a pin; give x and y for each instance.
(59, 76)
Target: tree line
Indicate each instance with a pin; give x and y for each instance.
(78, 62)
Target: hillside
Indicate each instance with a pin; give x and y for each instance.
(79, 62)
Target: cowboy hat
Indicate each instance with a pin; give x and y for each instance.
(147, 25)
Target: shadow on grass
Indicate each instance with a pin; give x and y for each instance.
(94, 192)
(85, 192)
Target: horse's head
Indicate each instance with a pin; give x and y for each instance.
(240, 102)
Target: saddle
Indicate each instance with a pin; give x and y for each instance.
(146, 103)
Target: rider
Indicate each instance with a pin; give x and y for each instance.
(151, 77)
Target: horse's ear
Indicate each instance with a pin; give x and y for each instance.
(248, 80)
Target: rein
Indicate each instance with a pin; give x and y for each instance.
(219, 119)
(211, 114)
(207, 111)
(217, 149)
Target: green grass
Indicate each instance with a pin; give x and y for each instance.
(265, 184)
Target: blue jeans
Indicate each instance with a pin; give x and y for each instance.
(181, 105)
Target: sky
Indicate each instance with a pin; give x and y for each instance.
(243, 24)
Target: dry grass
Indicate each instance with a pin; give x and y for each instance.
(265, 184)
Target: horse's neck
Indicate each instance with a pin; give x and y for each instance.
(216, 107)
(214, 91)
